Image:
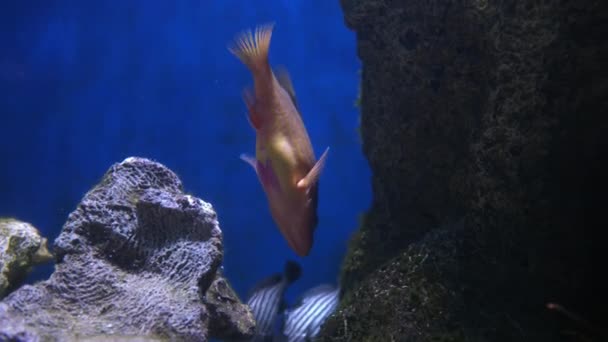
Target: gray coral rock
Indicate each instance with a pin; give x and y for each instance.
(21, 247)
(135, 260)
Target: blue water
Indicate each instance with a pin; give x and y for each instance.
(84, 84)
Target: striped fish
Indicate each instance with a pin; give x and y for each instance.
(266, 300)
(303, 322)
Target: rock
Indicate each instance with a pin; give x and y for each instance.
(21, 248)
(419, 287)
(135, 260)
(114, 338)
(493, 112)
(228, 312)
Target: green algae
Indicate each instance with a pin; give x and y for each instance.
(401, 298)
(21, 248)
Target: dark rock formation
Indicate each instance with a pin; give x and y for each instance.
(230, 320)
(21, 248)
(136, 258)
(491, 112)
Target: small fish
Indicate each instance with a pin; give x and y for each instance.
(284, 160)
(303, 322)
(266, 299)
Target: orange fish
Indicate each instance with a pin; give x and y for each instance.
(284, 158)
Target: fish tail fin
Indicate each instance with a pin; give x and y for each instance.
(292, 271)
(252, 48)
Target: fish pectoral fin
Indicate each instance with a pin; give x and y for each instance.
(313, 175)
(266, 175)
(251, 161)
(253, 117)
(285, 82)
(269, 179)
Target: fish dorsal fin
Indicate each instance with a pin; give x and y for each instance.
(292, 271)
(270, 281)
(285, 81)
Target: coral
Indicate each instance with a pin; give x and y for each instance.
(136, 259)
(492, 112)
(21, 248)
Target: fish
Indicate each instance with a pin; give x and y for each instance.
(303, 321)
(284, 158)
(266, 300)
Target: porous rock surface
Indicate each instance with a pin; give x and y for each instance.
(134, 260)
(21, 248)
(493, 112)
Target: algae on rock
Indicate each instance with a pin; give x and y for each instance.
(493, 112)
(21, 248)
